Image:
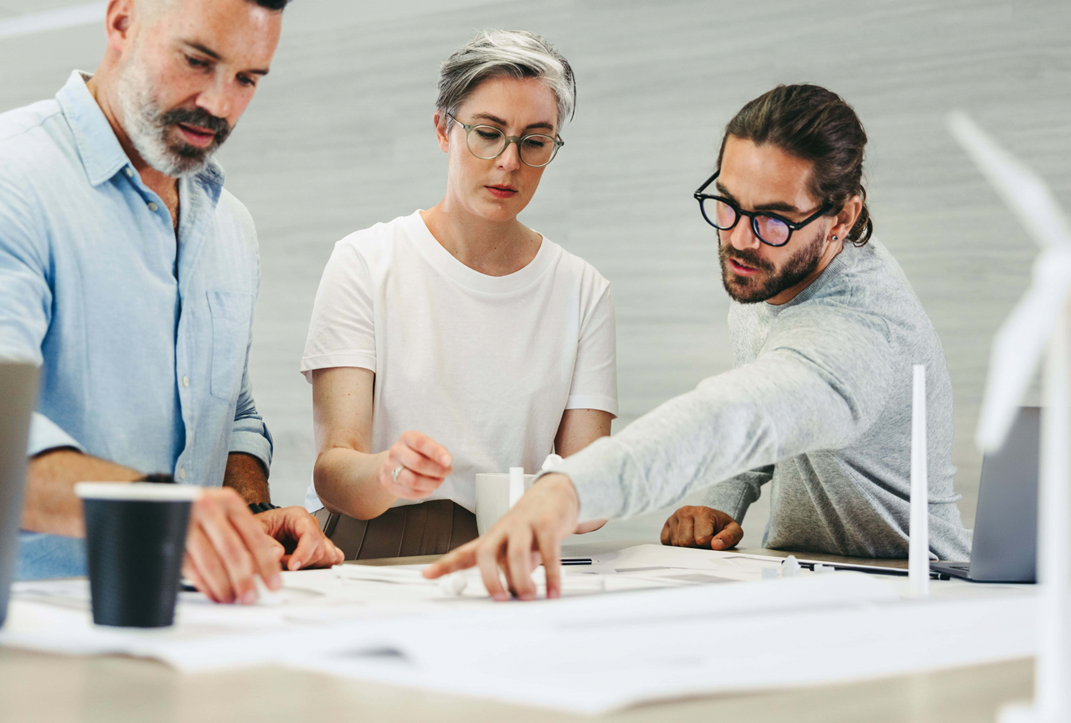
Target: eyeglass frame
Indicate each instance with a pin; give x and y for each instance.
(793, 226)
(558, 142)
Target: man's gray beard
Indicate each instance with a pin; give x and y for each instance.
(142, 124)
(747, 290)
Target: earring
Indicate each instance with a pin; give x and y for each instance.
(834, 238)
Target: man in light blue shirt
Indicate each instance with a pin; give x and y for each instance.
(130, 275)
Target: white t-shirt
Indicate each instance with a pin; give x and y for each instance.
(484, 365)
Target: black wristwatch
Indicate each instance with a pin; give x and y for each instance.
(257, 507)
(159, 478)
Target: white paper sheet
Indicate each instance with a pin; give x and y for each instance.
(602, 669)
(54, 615)
(658, 636)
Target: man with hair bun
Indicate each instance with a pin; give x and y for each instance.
(130, 275)
(825, 330)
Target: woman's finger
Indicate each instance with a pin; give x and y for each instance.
(406, 456)
(428, 447)
(412, 486)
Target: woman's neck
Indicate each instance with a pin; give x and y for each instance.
(493, 249)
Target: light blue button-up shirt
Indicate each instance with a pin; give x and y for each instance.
(143, 338)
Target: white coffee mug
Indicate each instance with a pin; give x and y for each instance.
(492, 498)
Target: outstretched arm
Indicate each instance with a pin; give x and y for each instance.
(579, 428)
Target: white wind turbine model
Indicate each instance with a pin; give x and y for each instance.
(1039, 325)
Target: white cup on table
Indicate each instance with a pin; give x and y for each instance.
(493, 497)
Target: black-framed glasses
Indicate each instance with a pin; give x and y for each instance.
(770, 228)
(487, 143)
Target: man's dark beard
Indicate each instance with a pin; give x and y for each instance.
(766, 285)
(202, 119)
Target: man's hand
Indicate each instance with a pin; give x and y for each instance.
(701, 527)
(534, 528)
(226, 547)
(421, 464)
(299, 532)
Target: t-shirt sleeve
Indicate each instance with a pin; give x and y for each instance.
(594, 384)
(342, 331)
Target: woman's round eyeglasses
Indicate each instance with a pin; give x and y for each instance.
(487, 143)
(773, 230)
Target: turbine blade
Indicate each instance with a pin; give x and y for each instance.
(1024, 191)
(1020, 344)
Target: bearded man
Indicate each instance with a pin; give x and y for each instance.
(825, 330)
(130, 275)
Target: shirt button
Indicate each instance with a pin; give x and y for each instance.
(153, 207)
(185, 381)
(129, 172)
(182, 473)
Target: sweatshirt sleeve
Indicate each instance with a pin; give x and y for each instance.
(734, 496)
(819, 381)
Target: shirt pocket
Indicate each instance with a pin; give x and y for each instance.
(231, 313)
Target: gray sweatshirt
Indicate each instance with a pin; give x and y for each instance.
(818, 405)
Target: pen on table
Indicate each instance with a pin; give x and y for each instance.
(576, 561)
(871, 570)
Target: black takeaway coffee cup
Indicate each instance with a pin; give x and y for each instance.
(135, 539)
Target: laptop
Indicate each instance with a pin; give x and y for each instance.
(18, 394)
(1005, 528)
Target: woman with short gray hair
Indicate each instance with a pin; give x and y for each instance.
(457, 340)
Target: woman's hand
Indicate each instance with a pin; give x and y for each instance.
(414, 467)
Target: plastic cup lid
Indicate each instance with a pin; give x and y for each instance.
(137, 491)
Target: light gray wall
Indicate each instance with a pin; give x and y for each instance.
(340, 137)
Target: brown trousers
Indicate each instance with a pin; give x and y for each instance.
(429, 528)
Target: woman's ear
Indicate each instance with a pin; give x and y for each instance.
(440, 120)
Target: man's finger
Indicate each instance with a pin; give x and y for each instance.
(487, 559)
(204, 559)
(550, 549)
(519, 565)
(337, 557)
(309, 543)
(462, 558)
(232, 551)
(263, 550)
(189, 569)
(728, 537)
(703, 529)
(666, 531)
(685, 536)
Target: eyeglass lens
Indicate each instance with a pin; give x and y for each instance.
(488, 142)
(767, 228)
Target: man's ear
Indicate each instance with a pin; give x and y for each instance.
(847, 218)
(118, 24)
(440, 120)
